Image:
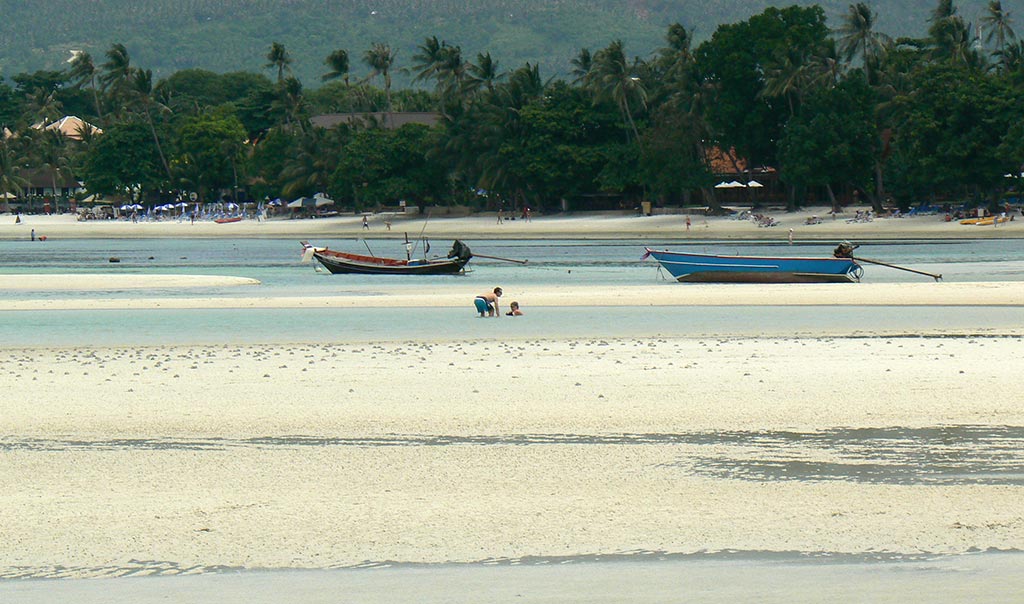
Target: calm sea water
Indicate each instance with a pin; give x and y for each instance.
(275, 263)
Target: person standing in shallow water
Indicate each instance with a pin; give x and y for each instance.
(487, 304)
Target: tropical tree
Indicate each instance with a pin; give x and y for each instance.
(142, 92)
(613, 77)
(581, 65)
(996, 24)
(123, 158)
(734, 64)
(279, 59)
(44, 106)
(83, 71)
(117, 73)
(380, 58)
(338, 63)
(858, 38)
(211, 149)
(832, 141)
(11, 161)
(483, 73)
(50, 152)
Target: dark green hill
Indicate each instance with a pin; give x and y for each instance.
(229, 35)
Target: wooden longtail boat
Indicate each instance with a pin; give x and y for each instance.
(348, 263)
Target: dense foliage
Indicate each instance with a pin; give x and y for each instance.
(835, 113)
(225, 35)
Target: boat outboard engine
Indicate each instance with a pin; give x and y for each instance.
(844, 250)
(461, 251)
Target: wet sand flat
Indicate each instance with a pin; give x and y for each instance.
(176, 460)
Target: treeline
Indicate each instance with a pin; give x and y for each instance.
(835, 112)
(224, 35)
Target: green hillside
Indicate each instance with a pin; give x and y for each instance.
(230, 35)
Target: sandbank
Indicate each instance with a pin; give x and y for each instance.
(580, 225)
(406, 296)
(191, 459)
(87, 282)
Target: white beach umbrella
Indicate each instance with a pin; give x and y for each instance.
(722, 185)
(736, 185)
(754, 184)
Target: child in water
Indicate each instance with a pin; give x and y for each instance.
(514, 310)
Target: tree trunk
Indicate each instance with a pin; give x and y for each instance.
(159, 148)
(878, 198)
(714, 207)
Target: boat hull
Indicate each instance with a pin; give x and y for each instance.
(710, 268)
(339, 263)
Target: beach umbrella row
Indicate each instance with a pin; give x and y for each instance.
(735, 184)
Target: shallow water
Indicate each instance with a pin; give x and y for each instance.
(275, 263)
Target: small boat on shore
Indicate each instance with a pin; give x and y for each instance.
(986, 221)
(228, 220)
(339, 263)
(714, 268)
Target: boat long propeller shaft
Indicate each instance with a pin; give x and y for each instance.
(902, 268)
(475, 255)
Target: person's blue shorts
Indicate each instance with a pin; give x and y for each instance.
(482, 305)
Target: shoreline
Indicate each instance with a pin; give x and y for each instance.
(584, 226)
(1002, 293)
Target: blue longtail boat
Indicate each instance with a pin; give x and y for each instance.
(713, 268)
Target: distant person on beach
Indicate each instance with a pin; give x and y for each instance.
(487, 304)
(366, 223)
(501, 215)
(514, 310)
(33, 234)
(687, 223)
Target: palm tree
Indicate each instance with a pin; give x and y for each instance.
(51, 152)
(44, 106)
(338, 62)
(1012, 56)
(142, 91)
(83, 71)
(427, 59)
(484, 72)
(11, 161)
(857, 37)
(788, 80)
(310, 167)
(117, 71)
(380, 58)
(996, 22)
(279, 59)
(291, 101)
(612, 77)
(581, 65)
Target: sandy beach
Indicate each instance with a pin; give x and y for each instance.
(557, 454)
(586, 225)
(438, 452)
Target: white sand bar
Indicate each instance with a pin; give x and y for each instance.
(87, 282)
(177, 460)
(665, 294)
